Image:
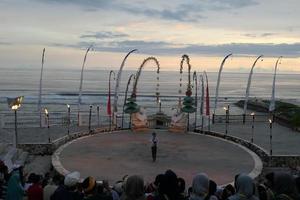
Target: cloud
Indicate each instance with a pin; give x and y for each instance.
(86, 4)
(165, 48)
(183, 12)
(104, 35)
(253, 35)
(5, 43)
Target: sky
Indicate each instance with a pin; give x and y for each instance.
(206, 30)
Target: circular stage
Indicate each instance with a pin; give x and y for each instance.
(112, 155)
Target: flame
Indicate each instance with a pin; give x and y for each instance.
(270, 121)
(68, 105)
(252, 114)
(46, 111)
(225, 108)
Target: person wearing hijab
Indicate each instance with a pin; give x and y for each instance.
(134, 189)
(15, 190)
(245, 188)
(200, 187)
(285, 187)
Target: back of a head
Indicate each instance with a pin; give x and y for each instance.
(228, 191)
(212, 187)
(57, 180)
(245, 185)
(262, 192)
(158, 179)
(89, 185)
(31, 177)
(134, 187)
(200, 184)
(171, 184)
(36, 178)
(71, 180)
(297, 180)
(285, 184)
(181, 185)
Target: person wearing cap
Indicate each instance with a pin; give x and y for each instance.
(154, 142)
(68, 191)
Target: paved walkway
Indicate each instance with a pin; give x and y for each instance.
(38, 135)
(285, 141)
(111, 156)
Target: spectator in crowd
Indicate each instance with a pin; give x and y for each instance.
(245, 188)
(109, 191)
(52, 186)
(285, 187)
(29, 181)
(4, 177)
(200, 187)
(212, 191)
(134, 189)
(35, 191)
(181, 189)
(89, 188)
(15, 189)
(228, 191)
(68, 191)
(297, 180)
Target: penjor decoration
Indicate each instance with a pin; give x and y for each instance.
(131, 106)
(188, 101)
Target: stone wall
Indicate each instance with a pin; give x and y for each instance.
(291, 161)
(49, 148)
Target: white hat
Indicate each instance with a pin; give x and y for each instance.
(72, 179)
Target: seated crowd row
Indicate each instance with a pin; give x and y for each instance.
(167, 186)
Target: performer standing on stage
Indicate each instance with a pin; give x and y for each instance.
(154, 141)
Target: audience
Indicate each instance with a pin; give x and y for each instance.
(35, 190)
(167, 186)
(15, 187)
(245, 188)
(200, 187)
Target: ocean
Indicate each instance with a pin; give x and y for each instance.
(60, 87)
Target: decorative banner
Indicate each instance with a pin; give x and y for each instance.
(218, 82)
(272, 101)
(81, 77)
(119, 77)
(207, 96)
(202, 95)
(41, 79)
(249, 83)
(109, 93)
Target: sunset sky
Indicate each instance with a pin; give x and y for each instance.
(206, 30)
